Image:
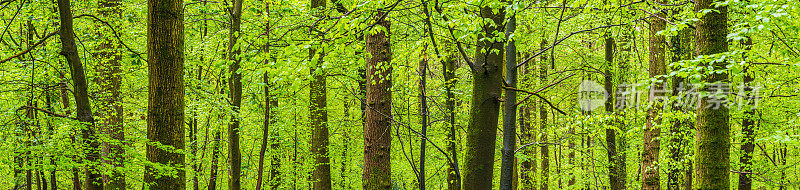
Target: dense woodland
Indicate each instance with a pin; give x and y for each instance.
(399, 94)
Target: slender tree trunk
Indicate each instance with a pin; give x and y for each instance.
(215, 153)
(509, 108)
(51, 130)
(165, 107)
(528, 166)
(748, 126)
(615, 170)
(235, 96)
(423, 68)
(76, 181)
(650, 169)
(453, 179)
(275, 152)
(377, 132)
(544, 149)
(265, 137)
(486, 91)
(110, 103)
(680, 129)
(713, 129)
(84, 111)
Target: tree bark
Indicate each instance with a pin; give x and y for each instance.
(713, 129)
(110, 102)
(528, 179)
(615, 170)
(453, 179)
(680, 129)
(423, 68)
(377, 132)
(318, 109)
(84, 111)
(509, 109)
(544, 149)
(265, 136)
(748, 125)
(235, 96)
(486, 91)
(650, 155)
(165, 107)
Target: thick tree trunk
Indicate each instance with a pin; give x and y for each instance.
(650, 155)
(508, 160)
(84, 110)
(544, 149)
(486, 90)
(110, 103)
(235, 96)
(453, 179)
(165, 115)
(377, 132)
(713, 129)
(318, 109)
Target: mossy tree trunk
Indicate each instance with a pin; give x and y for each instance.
(713, 130)
(543, 150)
(453, 179)
(235, 95)
(110, 103)
(486, 90)
(165, 106)
(650, 154)
(318, 109)
(377, 132)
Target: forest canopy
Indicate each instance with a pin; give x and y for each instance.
(399, 94)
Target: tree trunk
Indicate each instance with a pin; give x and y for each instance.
(528, 166)
(453, 179)
(165, 115)
(748, 125)
(423, 68)
(680, 129)
(615, 171)
(275, 153)
(110, 102)
(215, 153)
(265, 137)
(650, 169)
(235, 96)
(377, 132)
(84, 109)
(318, 109)
(545, 153)
(486, 89)
(509, 109)
(76, 181)
(713, 129)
